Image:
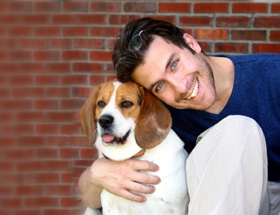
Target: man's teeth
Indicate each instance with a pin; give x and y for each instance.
(195, 91)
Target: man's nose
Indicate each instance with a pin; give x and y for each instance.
(179, 85)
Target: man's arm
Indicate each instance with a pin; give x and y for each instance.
(117, 177)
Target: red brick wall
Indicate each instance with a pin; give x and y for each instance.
(52, 53)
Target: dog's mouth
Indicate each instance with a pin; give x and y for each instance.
(109, 138)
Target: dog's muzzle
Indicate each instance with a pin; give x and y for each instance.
(106, 121)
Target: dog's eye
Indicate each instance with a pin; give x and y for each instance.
(126, 104)
(101, 104)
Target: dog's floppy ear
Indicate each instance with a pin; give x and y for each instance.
(87, 117)
(153, 122)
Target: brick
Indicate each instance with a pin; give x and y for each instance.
(88, 153)
(46, 178)
(78, 141)
(21, 31)
(100, 56)
(66, 177)
(174, 7)
(46, 129)
(211, 8)
(16, 105)
(49, 104)
(104, 31)
(28, 190)
(21, 7)
(111, 77)
(6, 190)
(249, 7)
(68, 153)
(274, 36)
(96, 79)
(233, 21)
(87, 67)
(21, 55)
(46, 55)
(11, 202)
(89, 43)
(46, 7)
(121, 19)
(6, 166)
(90, 19)
(68, 201)
(267, 22)
(82, 91)
(170, 19)
(58, 92)
(63, 19)
(75, 31)
(74, 55)
(2, 80)
(47, 80)
(41, 202)
(75, 6)
(27, 212)
(57, 67)
(214, 34)
(205, 46)
(231, 47)
(4, 93)
(3, 6)
(111, 43)
(36, 19)
(5, 118)
(59, 116)
(8, 19)
(144, 7)
(18, 129)
(31, 67)
(263, 47)
(30, 116)
(85, 163)
(74, 79)
(48, 31)
(29, 166)
(105, 7)
(35, 92)
(58, 190)
(275, 8)
(8, 67)
(32, 43)
(72, 103)
(63, 43)
(59, 212)
(31, 141)
(59, 140)
(195, 21)
(47, 152)
(248, 35)
(21, 80)
(57, 165)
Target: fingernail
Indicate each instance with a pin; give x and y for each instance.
(144, 199)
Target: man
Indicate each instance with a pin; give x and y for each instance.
(201, 92)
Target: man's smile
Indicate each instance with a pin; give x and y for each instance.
(195, 90)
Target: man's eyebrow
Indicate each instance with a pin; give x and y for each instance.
(166, 67)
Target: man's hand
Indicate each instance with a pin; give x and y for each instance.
(119, 178)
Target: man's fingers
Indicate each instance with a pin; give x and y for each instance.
(132, 197)
(142, 165)
(146, 178)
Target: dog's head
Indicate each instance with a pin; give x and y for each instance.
(123, 118)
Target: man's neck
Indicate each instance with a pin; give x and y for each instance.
(223, 70)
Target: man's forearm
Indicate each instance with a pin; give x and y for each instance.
(89, 192)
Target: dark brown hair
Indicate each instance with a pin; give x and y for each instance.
(125, 60)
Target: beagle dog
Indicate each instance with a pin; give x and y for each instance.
(124, 121)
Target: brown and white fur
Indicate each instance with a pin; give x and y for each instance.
(122, 119)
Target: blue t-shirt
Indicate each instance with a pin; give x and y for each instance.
(256, 94)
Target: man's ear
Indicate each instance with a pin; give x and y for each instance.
(193, 44)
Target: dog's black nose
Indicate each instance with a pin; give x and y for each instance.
(106, 121)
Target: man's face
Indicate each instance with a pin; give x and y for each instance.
(176, 76)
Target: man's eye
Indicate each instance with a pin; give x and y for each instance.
(101, 104)
(159, 86)
(173, 65)
(126, 104)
